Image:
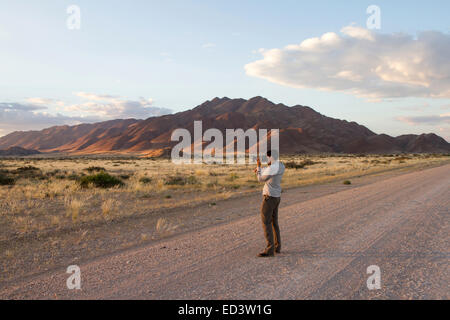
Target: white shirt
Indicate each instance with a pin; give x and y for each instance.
(272, 176)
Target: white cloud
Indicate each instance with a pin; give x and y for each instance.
(115, 107)
(35, 115)
(427, 120)
(24, 117)
(45, 102)
(445, 133)
(363, 63)
(96, 97)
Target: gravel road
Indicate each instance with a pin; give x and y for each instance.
(400, 224)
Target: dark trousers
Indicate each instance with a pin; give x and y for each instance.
(269, 215)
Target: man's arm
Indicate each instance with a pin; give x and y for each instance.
(262, 176)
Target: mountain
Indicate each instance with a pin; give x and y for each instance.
(18, 151)
(302, 130)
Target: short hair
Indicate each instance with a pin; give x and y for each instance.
(273, 154)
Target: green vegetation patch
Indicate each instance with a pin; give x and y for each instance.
(95, 169)
(100, 180)
(180, 180)
(6, 180)
(301, 165)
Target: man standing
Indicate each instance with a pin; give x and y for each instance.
(272, 176)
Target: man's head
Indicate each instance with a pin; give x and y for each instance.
(272, 155)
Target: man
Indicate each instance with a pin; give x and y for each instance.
(272, 176)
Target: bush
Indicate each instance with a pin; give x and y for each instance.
(347, 182)
(29, 172)
(180, 181)
(26, 169)
(402, 158)
(73, 177)
(301, 165)
(212, 184)
(100, 180)
(53, 173)
(6, 181)
(145, 180)
(293, 165)
(95, 169)
(191, 180)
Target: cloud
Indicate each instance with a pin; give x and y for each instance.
(24, 117)
(363, 63)
(13, 107)
(97, 97)
(35, 113)
(115, 107)
(426, 120)
(417, 108)
(445, 133)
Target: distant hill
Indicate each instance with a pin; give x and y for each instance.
(302, 130)
(18, 151)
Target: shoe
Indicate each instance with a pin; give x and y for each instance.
(265, 255)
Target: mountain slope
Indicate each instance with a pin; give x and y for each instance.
(18, 151)
(302, 130)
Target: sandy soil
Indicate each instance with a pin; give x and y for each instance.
(331, 234)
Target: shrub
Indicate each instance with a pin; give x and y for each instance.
(6, 181)
(301, 165)
(180, 181)
(100, 180)
(53, 173)
(73, 177)
(191, 180)
(175, 180)
(29, 172)
(293, 165)
(402, 158)
(145, 180)
(212, 184)
(347, 182)
(95, 169)
(26, 169)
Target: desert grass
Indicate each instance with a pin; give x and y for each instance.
(47, 194)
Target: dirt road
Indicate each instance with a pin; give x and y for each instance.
(400, 224)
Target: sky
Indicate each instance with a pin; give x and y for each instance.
(136, 59)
